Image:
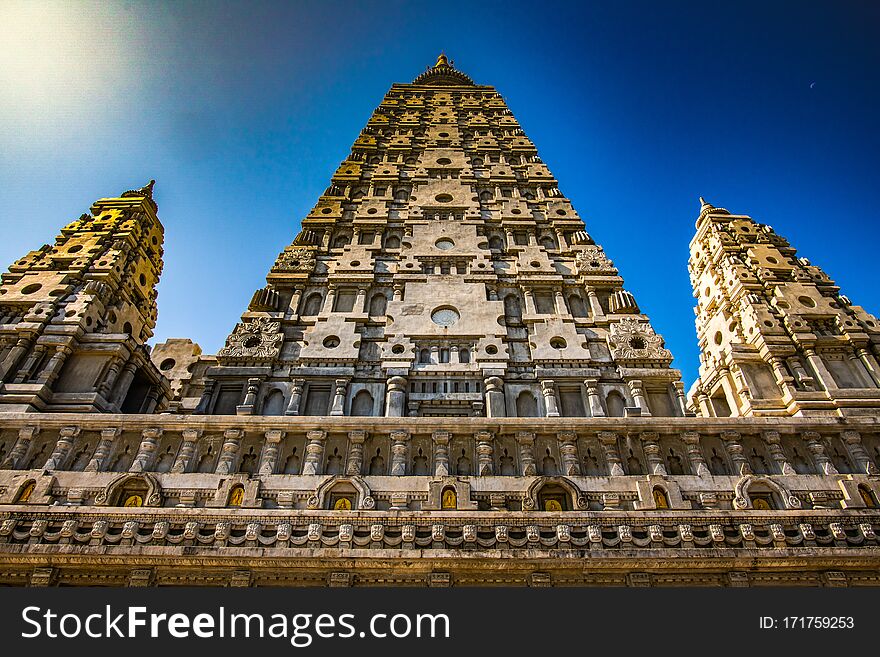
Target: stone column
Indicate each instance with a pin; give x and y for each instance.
(53, 367)
(123, 383)
(102, 451)
(529, 299)
(295, 298)
(526, 442)
(250, 398)
(231, 445)
(146, 450)
(314, 459)
(66, 436)
(361, 301)
(560, 235)
(774, 447)
(440, 440)
(820, 370)
(735, 450)
(814, 444)
(706, 409)
(29, 363)
(596, 409)
(571, 466)
(151, 401)
(15, 354)
(397, 292)
(608, 441)
(680, 397)
(870, 364)
(338, 407)
(109, 378)
(395, 398)
(783, 379)
(695, 456)
(495, 406)
(485, 453)
(853, 442)
(187, 449)
(355, 462)
(800, 374)
(858, 366)
(638, 393)
(453, 354)
(595, 304)
(548, 389)
(329, 300)
(205, 400)
(651, 449)
(435, 355)
(399, 452)
(16, 455)
(730, 394)
(561, 307)
(296, 392)
(270, 452)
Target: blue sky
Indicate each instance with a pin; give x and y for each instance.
(241, 112)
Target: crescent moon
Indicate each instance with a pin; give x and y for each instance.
(812, 85)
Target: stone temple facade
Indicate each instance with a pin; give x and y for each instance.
(444, 382)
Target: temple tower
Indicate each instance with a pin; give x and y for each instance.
(443, 273)
(776, 336)
(75, 316)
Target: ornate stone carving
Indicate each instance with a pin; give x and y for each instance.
(632, 340)
(259, 339)
(295, 259)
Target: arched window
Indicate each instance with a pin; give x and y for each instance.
(512, 309)
(762, 498)
(464, 355)
(661, 501)
(449, 500)
(236, 496)
(25, 493)
(614, 404)
(577, 306)
(274, 404)
(341, 242)
(378, 305)
(486, 196)
(496, 243)
(362, 404)
(133, 493)
(526, 404)
(548, 243)
(312, 306)
(444, 355)
(553, 498)
(425, 356)
(393, 242)
(868, 496)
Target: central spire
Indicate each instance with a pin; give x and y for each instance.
(443, 73)
(442, 60)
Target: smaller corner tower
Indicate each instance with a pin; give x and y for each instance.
(75, 316)
(776, 336)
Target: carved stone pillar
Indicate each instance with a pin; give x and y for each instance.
(397, 292)
(596, 409)
(250, 398)
(399, 452)
(102, 451)
(66, 436)
(146, 450)
(735, 450)
(441, 439)
(53, 367)
(15, 458)
(485, 453)
(526, 442)
(495, 406)
(293, 306)
(314, 459)
(800, 374)
(595, 304)
(395, 398)
(706, 409)
(695, 456)
(548, 389)
(561, 308)
(110, 378)
(329, 300)
(774, 447)
(853, 442)
(187, 449)
(529, 298)
(270, 452)
(30, 362)
(15, 354)
(229, 451)
(205, 400)
(338, 407)
(870, 364)
(821, 372)
(638, 393)
(814, 444)
(296, 392)
(783, 379)
(680, 397)
(361, 301)
(123, 382)
(653, 456)
(608, 440)
(571, 465)
(355, 462)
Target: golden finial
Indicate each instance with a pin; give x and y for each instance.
(441, 60)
